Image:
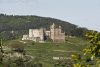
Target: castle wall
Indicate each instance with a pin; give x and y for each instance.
(47, 33)
(41, 34)
(25, 37)
(56, 34)
(38, 34)
(59, 37)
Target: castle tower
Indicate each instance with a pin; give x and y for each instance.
(31, 35)
(41, 34)
(52, 32)
(56, 34)
(60, 29)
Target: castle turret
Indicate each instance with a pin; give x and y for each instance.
(30, 33)
(52, 29)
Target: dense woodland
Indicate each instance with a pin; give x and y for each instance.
(21, 24)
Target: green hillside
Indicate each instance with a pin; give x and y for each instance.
(44, 52)
(21, 24)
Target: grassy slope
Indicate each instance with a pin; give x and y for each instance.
(43, 52)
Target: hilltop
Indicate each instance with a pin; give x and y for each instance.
(21, 24)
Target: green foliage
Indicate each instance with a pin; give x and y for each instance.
(21, 24)
(91, 53)
(44, 52)
(94, 39)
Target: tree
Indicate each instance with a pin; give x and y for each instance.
(90, 53)
(1, 52)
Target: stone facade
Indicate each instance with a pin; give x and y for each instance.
(35, 35)
(39, 34)
(56, 34)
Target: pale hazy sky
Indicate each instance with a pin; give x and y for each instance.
(84, 13)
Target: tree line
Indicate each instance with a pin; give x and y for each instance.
(20, 24)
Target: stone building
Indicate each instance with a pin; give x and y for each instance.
(55, 33)
(35, 35)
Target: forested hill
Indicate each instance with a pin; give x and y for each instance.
(20, 23)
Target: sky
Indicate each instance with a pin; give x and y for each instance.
(84, 13)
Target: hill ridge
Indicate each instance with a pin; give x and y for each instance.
(21, 22)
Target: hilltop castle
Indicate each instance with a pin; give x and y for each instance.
(40, 35)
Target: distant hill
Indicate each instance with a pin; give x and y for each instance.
(21, 24)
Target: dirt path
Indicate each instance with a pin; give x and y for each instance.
(64, 51)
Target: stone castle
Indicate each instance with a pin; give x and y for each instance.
(40, 35)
